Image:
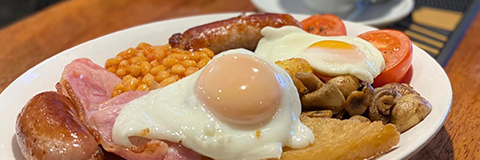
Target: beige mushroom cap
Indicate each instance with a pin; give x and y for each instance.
(409, 110)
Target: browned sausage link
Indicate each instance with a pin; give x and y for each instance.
(48, 128)
(239, 32)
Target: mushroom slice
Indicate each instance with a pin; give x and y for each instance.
(309, 80)
(319, 114)
(359, 118)
(347, 84)
(355, 103)
(382, 102)
(409, 110)
(374, 115)
(358, 101)
(301, 89)
(401, 88)
(328, 97)
(383, 99)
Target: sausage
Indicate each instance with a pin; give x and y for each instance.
(49, 128)
(239, 32)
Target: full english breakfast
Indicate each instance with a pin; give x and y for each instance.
(262, 86)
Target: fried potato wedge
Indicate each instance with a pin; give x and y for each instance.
(344, 139)
(294, 65)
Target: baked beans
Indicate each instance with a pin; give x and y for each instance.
(148, 67)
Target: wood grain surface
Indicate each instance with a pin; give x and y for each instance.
(64, 25)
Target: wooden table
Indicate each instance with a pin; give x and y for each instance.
(64, 25)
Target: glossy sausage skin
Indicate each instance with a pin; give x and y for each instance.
(239, 32)
(48, 128)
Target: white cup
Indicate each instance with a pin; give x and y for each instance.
(341, 8)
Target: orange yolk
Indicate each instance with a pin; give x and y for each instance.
(240, 89)
(336, 51)
(332, 44)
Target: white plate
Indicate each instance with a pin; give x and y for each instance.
(428, 78)
(378, 15)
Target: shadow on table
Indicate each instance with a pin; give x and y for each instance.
(440, 147)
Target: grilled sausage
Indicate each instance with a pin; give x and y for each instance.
(48, 128)
(239, 32)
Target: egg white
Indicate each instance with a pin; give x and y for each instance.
(174, 113)
(288, 42)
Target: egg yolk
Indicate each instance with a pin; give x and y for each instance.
(336, 52)
(239, 89)
(332, 44)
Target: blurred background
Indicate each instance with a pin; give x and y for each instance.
(13, 10)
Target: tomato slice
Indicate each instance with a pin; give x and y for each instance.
(324, 25)
(396, 48)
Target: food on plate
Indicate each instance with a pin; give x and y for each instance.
(240, 106)
(309, 80)
(400, 105)
(346, 98)
(358, 101)
(148, 67)
(382, 103)
(344, 139)
(324, 25)
(239, 32)
(80, 79)
(98, 111)
(326, 97)
(149, 102)
(347, 84)
(396, 48)
(332, 56)
(409, 110)
(401, 88)
(294, 65)
(43, 119)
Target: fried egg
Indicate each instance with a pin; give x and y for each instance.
(239, 106)
(330, 56)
